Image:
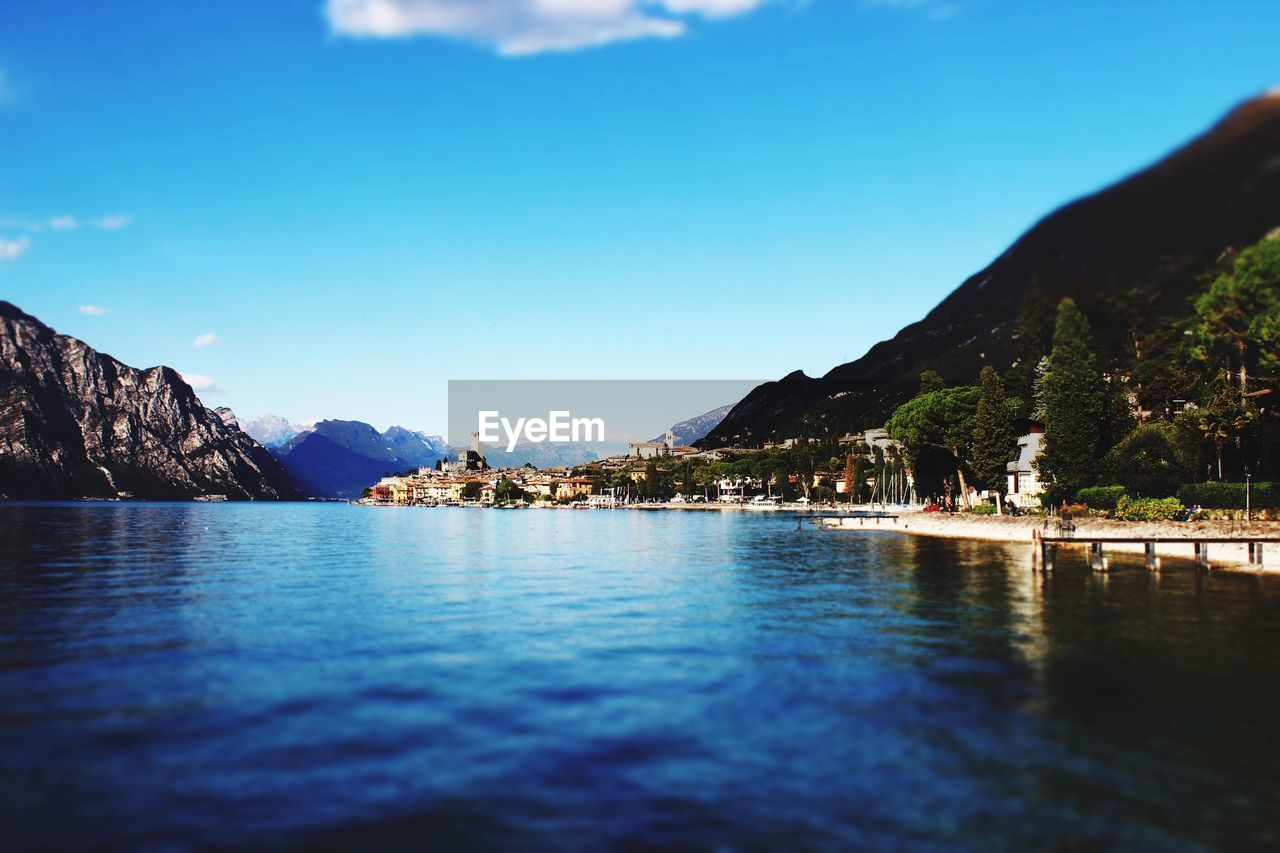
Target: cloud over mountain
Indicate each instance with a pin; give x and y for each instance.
(524, 27)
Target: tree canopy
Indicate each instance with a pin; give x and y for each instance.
(1237, 324)
(943, 419)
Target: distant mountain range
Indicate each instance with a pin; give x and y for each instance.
(1154, 234)
(76, 423)
(338, 459)
(687, 432)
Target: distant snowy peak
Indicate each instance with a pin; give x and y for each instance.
(271, 430)
(687, 432)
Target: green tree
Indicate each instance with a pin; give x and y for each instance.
(781, 484)
(1035, 333)
(1150, 462)
(943, 419)
(1073, 406)
(1038, 389)
(1237, 326)
(1223, 424)
(506, 490)
(994, 436)
(930, 381)
(1118, 420)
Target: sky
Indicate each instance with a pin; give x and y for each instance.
(330, 209)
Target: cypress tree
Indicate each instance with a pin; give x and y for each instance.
(994, 437)
(1073, 406)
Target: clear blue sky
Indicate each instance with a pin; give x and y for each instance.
(365, 200)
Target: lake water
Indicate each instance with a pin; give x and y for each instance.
(180, 675)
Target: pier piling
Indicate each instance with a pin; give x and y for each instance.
(1097, 560)
(1153, 561)
(1202, 555)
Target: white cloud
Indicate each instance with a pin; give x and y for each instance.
(112, 223)
(524, 27)
(208, 339)
(93, 310)
(65, 222)
(11, 250)
(200, 382)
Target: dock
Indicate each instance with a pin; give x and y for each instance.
(820, 519)
(1044, 549)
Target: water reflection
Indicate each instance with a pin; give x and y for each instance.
(321, 674)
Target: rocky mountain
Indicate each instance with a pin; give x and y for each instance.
(687, 432)
(271, 431)
(410, 444)
(228, 417)
(338, 459)
(76, 423)
(1152, 235)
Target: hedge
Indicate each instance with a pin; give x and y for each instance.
(1229, 495)
(1100, 497)
(1149, 509)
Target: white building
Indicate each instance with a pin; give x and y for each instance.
(648, 449)
(1025, 488)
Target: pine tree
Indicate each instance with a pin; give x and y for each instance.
(1073, 406)
(994, 436)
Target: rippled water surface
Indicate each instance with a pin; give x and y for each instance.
(182, 675)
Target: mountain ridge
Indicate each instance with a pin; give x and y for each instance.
(1151, 233)
(76, 423)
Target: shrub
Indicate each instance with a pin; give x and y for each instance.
(1149, 509)
(1101, 497)
(1229, 495)
(984, 509)
(1150, 461)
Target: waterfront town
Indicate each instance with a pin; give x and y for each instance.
(869, 468)
(1072, 427)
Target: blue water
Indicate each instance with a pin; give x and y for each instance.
(319, 675)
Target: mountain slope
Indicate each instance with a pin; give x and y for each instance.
(1152, 233)
(75, 423)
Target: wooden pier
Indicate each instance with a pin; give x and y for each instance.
(819, 518)
(1044, 549)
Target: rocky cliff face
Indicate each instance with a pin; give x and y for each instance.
(75, 423)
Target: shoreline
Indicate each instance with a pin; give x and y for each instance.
(1020, 530)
